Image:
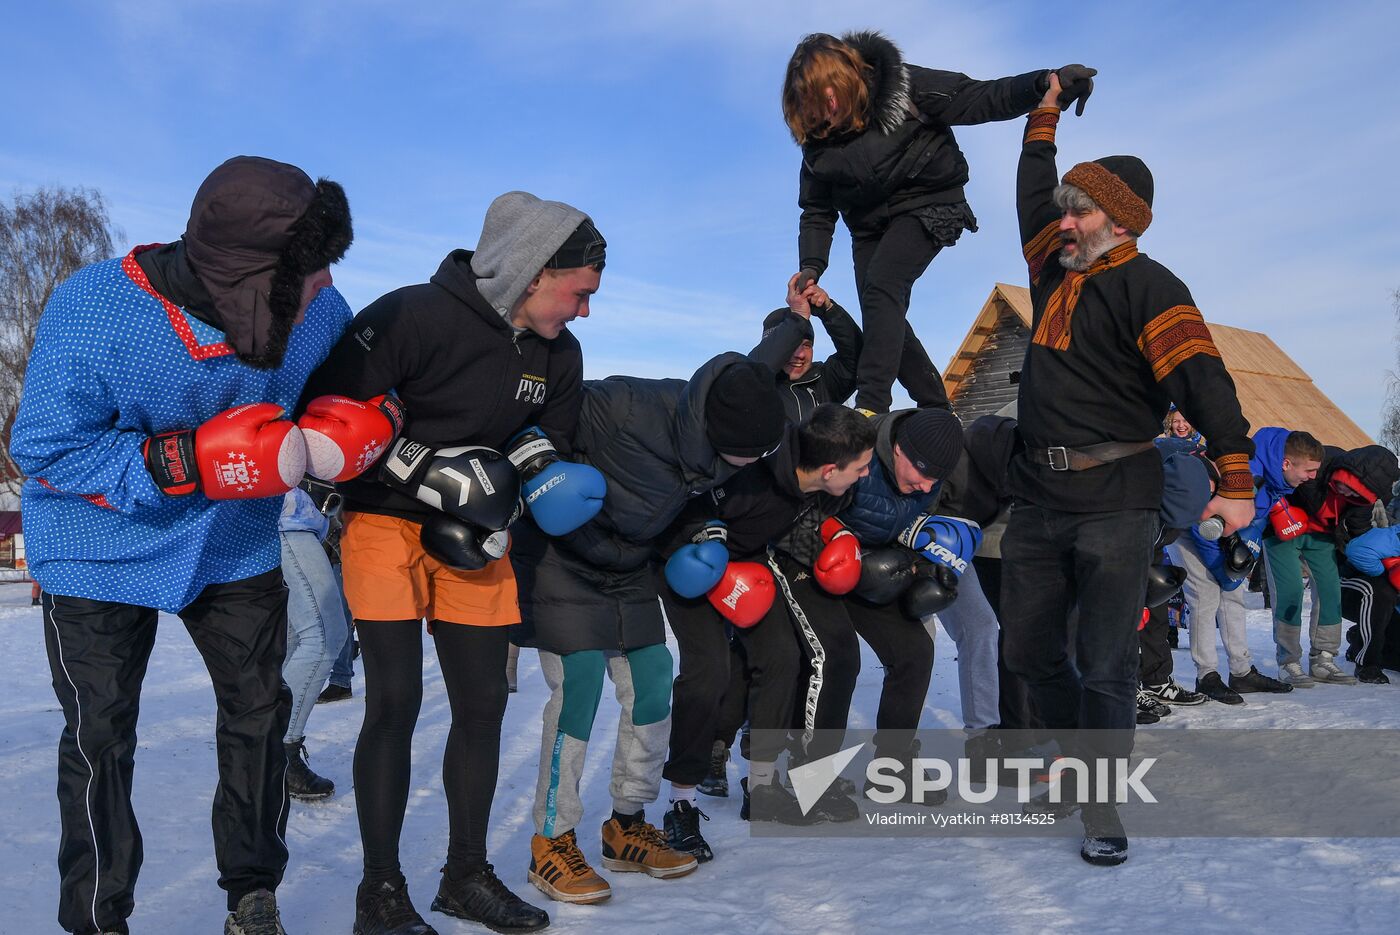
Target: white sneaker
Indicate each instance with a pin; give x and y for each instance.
(1292, 673)
(1323, 669)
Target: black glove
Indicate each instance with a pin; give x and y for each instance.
(806, 277)
(1076, 84)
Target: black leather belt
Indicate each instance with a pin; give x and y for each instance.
(1060, 458)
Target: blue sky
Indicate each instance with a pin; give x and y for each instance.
(1271, 129)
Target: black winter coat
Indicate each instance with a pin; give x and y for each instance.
(1374, 466)
(761, 505)
(594, 588)
(906, 158)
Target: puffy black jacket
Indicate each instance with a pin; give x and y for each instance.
(762, 505)
(593, 589)
(977, 489)
(906, 158)
(1374, 466)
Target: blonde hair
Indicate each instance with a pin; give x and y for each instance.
(820, 62)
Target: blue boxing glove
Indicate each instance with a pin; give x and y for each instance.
(560, 495)
(944, 540)
(697, 566)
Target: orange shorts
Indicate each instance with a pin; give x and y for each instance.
(388, 576)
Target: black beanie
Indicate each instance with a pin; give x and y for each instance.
(778, 316)
(932, 439)
(743, 412)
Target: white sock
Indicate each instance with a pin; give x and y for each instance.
(762, 774)
(682, 794)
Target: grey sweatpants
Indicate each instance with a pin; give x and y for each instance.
(972, 624)
(642, 678)
(1211, 605)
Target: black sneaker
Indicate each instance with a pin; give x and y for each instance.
(333, 692)
(1256, 681)
(256, 915)
(1105, 841)
(1173, 694)
(1147, 704)
(1214, 688)
(482, 897)
(682, 825)
(385, 909)
(1353, 643)
(771, 802)
(1372, 675)
(717, 782)
(302, 783)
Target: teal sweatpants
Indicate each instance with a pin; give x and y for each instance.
(1283, 563)
(642, 679)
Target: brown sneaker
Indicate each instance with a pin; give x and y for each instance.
(642, 847)
(558, 869)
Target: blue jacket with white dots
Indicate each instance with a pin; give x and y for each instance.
(114, 363)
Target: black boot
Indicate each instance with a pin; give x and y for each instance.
(1105, 841)
(771, 802)
(1256, 681)
(385, 909)
(482, 897)
(717, 782)
(683, 831)
(333, 692)
(302, 783)
(1372, 675)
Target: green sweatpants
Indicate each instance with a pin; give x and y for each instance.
(1283, 562)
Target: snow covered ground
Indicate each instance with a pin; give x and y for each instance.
(753, 886)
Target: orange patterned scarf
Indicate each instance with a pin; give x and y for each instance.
(1053, 330)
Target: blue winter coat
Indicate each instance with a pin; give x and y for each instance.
(1366, 550)
(112, 366)
(878, 511)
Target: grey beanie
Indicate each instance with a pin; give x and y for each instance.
(520, 235)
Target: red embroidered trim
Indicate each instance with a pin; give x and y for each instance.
(177, 318)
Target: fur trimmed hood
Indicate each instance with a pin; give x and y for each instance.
(889, 79)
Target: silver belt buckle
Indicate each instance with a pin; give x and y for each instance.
(1063, 463)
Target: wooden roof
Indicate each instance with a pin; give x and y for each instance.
(1272, 388)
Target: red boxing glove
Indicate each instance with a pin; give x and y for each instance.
(241, 454)
(1287, 520)
(744, 593)
(345, 437)
(837, 568)
(1392, 571)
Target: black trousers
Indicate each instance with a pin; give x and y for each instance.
(1013, 699)
(769, 664)
(832, 652)
(1154, 652)
(1368, 604)
(98, 651)
(1055, 563)
(734, 709)
(887, 265)
(905, 649)
(473, 664)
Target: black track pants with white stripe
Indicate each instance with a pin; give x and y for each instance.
(98, 651)
(1369, 604)
(828, 640)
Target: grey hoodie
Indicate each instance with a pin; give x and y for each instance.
(520, 234)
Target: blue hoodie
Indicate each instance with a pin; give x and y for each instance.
(1267, 466)
(1366, 550)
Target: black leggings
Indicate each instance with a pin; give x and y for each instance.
(473, 663)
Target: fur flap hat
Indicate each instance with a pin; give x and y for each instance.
(257, 229)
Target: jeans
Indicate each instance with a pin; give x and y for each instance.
(343, 671)
(1096, 563)
(1212, 607)
(316, 624)
(973, 626)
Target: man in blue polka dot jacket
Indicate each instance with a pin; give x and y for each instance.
(151, 430)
